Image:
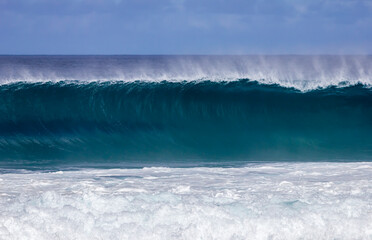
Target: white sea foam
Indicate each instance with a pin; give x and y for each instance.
(300, 72)
(259, 201)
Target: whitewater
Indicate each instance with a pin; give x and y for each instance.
(186, 147)
(258, 201)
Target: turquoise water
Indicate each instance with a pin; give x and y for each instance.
(181, 122)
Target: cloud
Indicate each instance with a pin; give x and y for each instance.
(186, 26)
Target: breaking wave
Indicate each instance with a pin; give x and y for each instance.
(180, 121)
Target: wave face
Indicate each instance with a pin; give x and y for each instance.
(59, 122)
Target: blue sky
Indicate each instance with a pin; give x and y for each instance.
(185, 26)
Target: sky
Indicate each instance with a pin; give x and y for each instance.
(185, 26)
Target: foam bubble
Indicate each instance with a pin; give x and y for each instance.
(260, 201)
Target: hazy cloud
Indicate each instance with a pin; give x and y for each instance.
(185, 26)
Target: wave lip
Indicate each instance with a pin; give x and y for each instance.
(138, 121)
(295, 71)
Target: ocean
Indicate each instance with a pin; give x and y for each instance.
(186, 147)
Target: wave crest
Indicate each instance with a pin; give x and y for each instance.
(301, 72)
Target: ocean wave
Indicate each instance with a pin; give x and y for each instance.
(145, 121)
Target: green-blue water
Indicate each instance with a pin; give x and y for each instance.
(66, 122)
